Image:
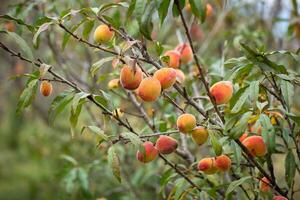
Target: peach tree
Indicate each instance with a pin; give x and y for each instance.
(211, 126)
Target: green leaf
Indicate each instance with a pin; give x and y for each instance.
(19, 21)
(268, 132)
(77, 98)
(114, 163)
(163, 10)
(139, 8)
(134, 139)
(290, 168)
(69, 159)
(175, 10)
(104, 99)
(94, 129)
(131, 9)
(107, 6)
(241, 101)
(240, 126)
(215, 143)
(27, 95)
(287, 90)
(83, 179)
(23, 44)
(294, 117)
(70, 179)
(198, 9)
(254, 92)
(76, 107)
(59, 104)
(145, 23)
(41, 29)
(67, 36)
(234, 184)
(87, 28)
(96, 66)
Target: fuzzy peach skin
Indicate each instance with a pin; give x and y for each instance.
(103, 34)
(263, 185)
(149, 153)
(114, 83)
(207, 165)
(186, 53)
(46, 88)
(199, 135)
(255, 145)
(223, 163)
(149, 89)
(166, 77)
(166, 144)
(186, 123)
(174, 58)
(180, 77)
(130, 78)
(222, 92)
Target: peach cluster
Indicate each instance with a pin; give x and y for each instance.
(214, 164)
(164, 145)
(182, 54)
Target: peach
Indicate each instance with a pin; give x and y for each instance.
(174, 58)
(149, 89)
(10, 26)
(130, 78)
(196, 32)
(114, 83)
(264, 185)
(209, 10)
(103, 34)
(279, 198)
(149, 153)
(200, 135)
(46, 88)
(186, 53)
(186, 122)
(180, 77)
(166, 144)
(166, 77)
(207, 165)
(257, 130)
(243, 137)
(255, 145)
(223, 163)
(222, 92)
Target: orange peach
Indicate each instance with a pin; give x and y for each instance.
(200, 135)
(264, 185)
(103, 34)
(222, 92)
(174, 58)
(257, 130)
(243, 137)
(114, 83)
(149, 89)
(46, 88)
(186, 122)
(130, 78)
(186, 53)
(166, 77)
(223, 163)
(255, 145)
(166, 144)
(10, 26)
(209, 10)
(180, 77)
(148, 154)
(207, 165)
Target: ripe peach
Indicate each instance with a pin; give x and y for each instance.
(10, 26)
(103, 34)
(180, 77)
(209, 10)
(264, 185)
(223, 163)
(114, 83)
(243, 137)
(166, 144)
(149, 89)
(186, 53)
(130, 78)
(149, 153)
(186, 123)
(222, 91)
(166, 77)
(46, 88)
(200, 135)
(279, 198)
(255, 145)
(207, 165)
(196, 32)
(174, 58)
